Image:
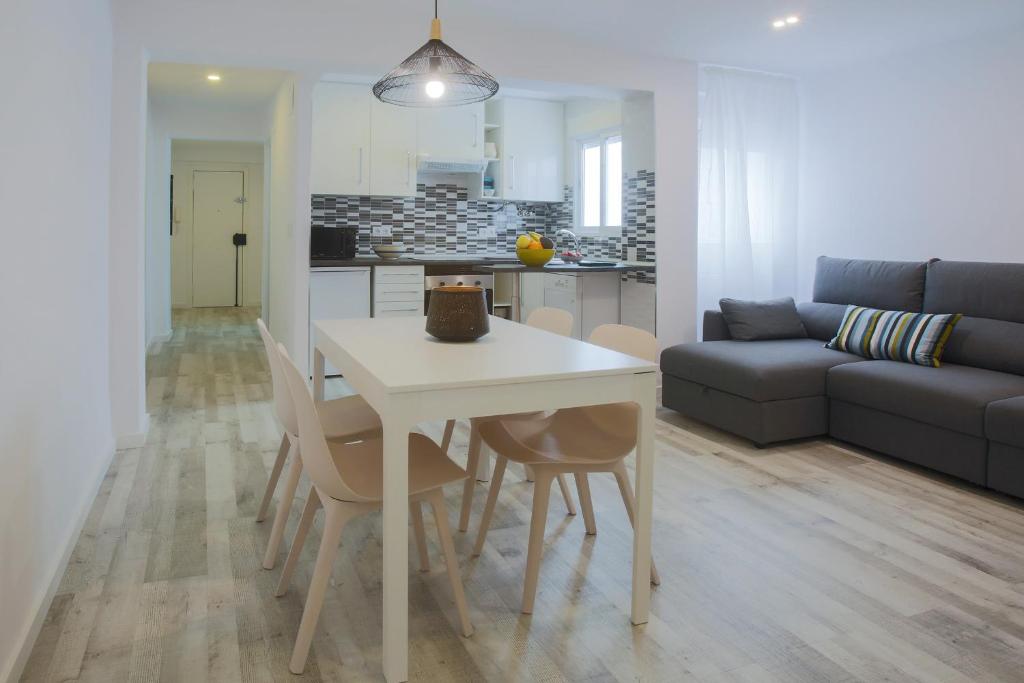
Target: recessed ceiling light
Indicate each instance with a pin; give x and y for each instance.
(792, 19)
(213, 77)
(779, 23)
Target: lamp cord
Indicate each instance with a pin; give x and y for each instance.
(435, 9)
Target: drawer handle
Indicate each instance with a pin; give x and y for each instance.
(402, 291)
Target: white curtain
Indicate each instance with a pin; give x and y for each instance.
(747, 216)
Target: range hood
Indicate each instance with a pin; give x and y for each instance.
(427, 164)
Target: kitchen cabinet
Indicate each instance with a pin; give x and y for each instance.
(531, 145)
(397, 291)
(393, 142)
(592, 298)
(451, 132)
(340, 156)
(336, 293)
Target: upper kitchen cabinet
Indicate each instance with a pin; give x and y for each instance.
(452, 133)
(392, 150)
(531, 145)
(340, 157)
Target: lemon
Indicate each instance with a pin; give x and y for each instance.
(523, 242)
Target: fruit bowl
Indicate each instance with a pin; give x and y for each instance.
(535, 258)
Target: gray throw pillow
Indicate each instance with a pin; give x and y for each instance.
(754, 320)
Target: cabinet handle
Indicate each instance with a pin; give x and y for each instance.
(476, 129)
(512, 173)
(360, 162)
(408, 169)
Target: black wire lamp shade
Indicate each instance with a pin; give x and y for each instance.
(435, 76)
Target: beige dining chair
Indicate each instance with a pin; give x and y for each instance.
(576, 441)
(347, 480)
(554, 320)
(341, 418)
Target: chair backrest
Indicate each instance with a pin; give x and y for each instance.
(553, 320)
(282, 399)
(316, 456)
(631, 341)
(618, 420)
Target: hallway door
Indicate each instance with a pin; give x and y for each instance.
(218, 215)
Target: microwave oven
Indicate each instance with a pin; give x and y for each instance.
(329, 244)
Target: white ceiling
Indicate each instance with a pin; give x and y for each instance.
(238, 86)
(832, 33)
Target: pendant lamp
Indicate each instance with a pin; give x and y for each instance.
(435, 76)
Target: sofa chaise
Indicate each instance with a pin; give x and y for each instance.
(965, 418)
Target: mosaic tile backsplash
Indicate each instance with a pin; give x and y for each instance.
(441, 219)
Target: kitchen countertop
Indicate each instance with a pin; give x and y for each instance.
(568, 268)
(490, 263)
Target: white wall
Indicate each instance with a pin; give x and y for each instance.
(281, 273)
(917, 156)
(188, 156)
(158, 267)
(55, 429)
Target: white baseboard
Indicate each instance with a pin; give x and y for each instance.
(134, 439)
(16, 665)
(159, 339)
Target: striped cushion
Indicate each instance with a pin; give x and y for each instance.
(917, 338)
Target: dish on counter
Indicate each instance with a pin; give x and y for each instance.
(389, 251)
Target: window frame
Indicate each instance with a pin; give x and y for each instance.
(605, 229)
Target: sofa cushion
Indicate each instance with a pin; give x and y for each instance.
(979, 290)
(768, 319)
(892, 285)
(821, 320)
(759, 370)
(953, 396)
(917, 338)
(985, 343)
(1004, 421)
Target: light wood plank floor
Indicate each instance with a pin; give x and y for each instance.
(805, 562)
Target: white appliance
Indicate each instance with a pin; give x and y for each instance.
(336, 293)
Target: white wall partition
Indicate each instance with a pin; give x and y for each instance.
(55, 430)
(916, 156)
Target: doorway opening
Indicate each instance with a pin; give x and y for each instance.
(216, 223)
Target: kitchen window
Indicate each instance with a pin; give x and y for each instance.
(599, 184)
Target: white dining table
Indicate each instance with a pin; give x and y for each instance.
(409, 377)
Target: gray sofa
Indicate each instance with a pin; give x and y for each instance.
(965, 418)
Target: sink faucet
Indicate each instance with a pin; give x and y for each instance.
(577, 247)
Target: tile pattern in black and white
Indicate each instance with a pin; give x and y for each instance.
(441, 219)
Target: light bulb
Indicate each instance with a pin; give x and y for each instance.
(434, 89)
(779, 23)
(793, 19)
(213, 77)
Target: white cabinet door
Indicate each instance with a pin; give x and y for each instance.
(533, 133)
(340, 155)
(392, 150)
(531, 294)
(452, 132)
(335, 294)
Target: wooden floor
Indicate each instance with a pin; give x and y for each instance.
(804, 562)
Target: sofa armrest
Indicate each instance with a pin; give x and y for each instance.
(715, 328)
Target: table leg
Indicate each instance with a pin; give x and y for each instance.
(517, 283)
(645, 392)
(396, 547)
(318, 374)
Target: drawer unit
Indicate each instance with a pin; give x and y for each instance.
(397, 291)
